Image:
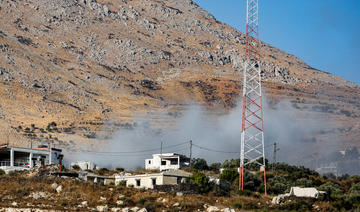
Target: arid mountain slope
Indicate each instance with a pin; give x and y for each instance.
(67, 67)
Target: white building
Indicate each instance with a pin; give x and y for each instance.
(148, 181)
(167, 161)
(84, 165)
(18, 158)
(310, 192)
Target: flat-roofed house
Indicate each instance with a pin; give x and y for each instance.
(148, 181)
(167, 161)
(19, 158)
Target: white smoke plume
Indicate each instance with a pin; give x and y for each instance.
(293, 133)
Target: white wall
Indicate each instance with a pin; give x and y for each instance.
(145, 180)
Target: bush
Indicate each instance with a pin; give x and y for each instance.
(244, 192)
(215, 167)
(120, 169)
(278, 185)
(303, 182)
(76, 167)
(201, 181)
(237, 205)
(230, 164)
(2, 172)
(12, 173)
(297, 206)
(122, 183)
(199, 164)
(251, 182)
(354, 194)
(229, 175)
(331, 189)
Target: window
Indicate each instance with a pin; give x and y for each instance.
(137, 182)
(174, 161)
(163, 162)
(153, 181)
(149, 161)
(178, 180)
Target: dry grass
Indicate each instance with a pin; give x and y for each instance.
(18, 188)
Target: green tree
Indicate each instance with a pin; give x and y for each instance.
(201, 181)
(215, 167)
(304, 182)
(199, 164)
(229, 175)
(354, 194)
(278, 185)
(331, 189)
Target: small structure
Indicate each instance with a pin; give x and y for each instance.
(167, 161)
(305, 192)
(310, 192)
(148, 181)
(84, 165)
(103, 180)
(18, 158)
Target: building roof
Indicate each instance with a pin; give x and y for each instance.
(46, 151)
(304, 192)
(177, 172)
(167, 155)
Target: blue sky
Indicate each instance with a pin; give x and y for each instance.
(323, 33)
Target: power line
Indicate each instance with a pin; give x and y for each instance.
(213, 150)
(131, 152)
(139, 155)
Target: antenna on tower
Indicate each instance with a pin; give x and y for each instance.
(252, 131)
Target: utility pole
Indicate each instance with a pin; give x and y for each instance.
(190, 152)
(274, 155)
(252, 130)
(161, 147)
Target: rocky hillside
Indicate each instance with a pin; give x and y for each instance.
(67, 67)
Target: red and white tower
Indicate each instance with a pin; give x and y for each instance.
(252, 130)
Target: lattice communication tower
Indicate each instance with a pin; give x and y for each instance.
(252, 130)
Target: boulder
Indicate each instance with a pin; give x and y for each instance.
(59, 189)
(212, 209)
(102, 208)
(54, 185)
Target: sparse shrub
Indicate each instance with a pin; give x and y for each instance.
(122, 183)
(297, 206)
(215, 167)
(76, 167)
(219, 190)
(64, 203)
(120, 169)
(237, 205)
(20, 193)
(141, 201)
(12, 173)
(250, 206)
(229, 175)
(201, 181)
(244, 192)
